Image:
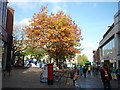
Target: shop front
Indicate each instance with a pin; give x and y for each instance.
(4, 45)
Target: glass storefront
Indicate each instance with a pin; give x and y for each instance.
(118, 43)
(108, 48)
(1, 52)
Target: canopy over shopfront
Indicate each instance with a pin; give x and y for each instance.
(87, 63)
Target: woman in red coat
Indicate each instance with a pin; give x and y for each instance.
(106, 76)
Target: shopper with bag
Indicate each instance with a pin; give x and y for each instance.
(106, 76)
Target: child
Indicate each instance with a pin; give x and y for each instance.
(74, 79)
(72, 73)
(44, 75)
(45, 72)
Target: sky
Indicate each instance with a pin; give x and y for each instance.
(92, 17)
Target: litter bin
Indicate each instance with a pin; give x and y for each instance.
(50, 73)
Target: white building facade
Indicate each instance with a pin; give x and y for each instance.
(109, 46)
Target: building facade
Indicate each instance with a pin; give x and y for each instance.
(3, 32)
(109, 46)
(96, 57)
(6, 28)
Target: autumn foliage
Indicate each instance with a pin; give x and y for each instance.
(57, 33)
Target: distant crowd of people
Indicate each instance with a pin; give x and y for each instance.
(106, 72)
(83, 70)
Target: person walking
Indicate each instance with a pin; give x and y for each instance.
(44, 74)
(96, 71)
(81, 70)
(118, 76)
(118, 73)
(106, 76)
(89, 70)
(84, 71)
(72, 75)
(78, 69)
(54, 67)
(40, 63)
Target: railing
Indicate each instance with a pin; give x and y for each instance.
(61, 77)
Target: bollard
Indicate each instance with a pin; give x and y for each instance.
(50, 73)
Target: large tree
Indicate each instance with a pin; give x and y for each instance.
(57, 33)
(35, 52)
(81, 59)
(19, 42)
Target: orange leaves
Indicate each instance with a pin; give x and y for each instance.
(55, 31)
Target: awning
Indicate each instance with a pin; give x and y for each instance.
(87, 62)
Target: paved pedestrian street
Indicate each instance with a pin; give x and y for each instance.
(29, 78)
(93, 82)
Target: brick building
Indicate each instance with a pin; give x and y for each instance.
(96, 57)
(6, 28)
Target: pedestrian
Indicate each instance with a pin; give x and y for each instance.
(81, 70)
(44, 74)
(84, 71)
(43, 63)
(75, 67)
(106, 76)
(72, 73)
(118, 73)
(74, 76)
(36, 63)
(8, 69)
(78, 69)
(54, 67)
(96, 71)
(29, 64)
(113, 73)
(89, 70)
(93, 68)
(74, 79)
(40, 64)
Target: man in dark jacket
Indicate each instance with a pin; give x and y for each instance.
(84, 71)
(118, 73)
(106, 76)
(118, 76)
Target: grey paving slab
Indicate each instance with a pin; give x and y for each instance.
(29, 78)
(93, 82)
